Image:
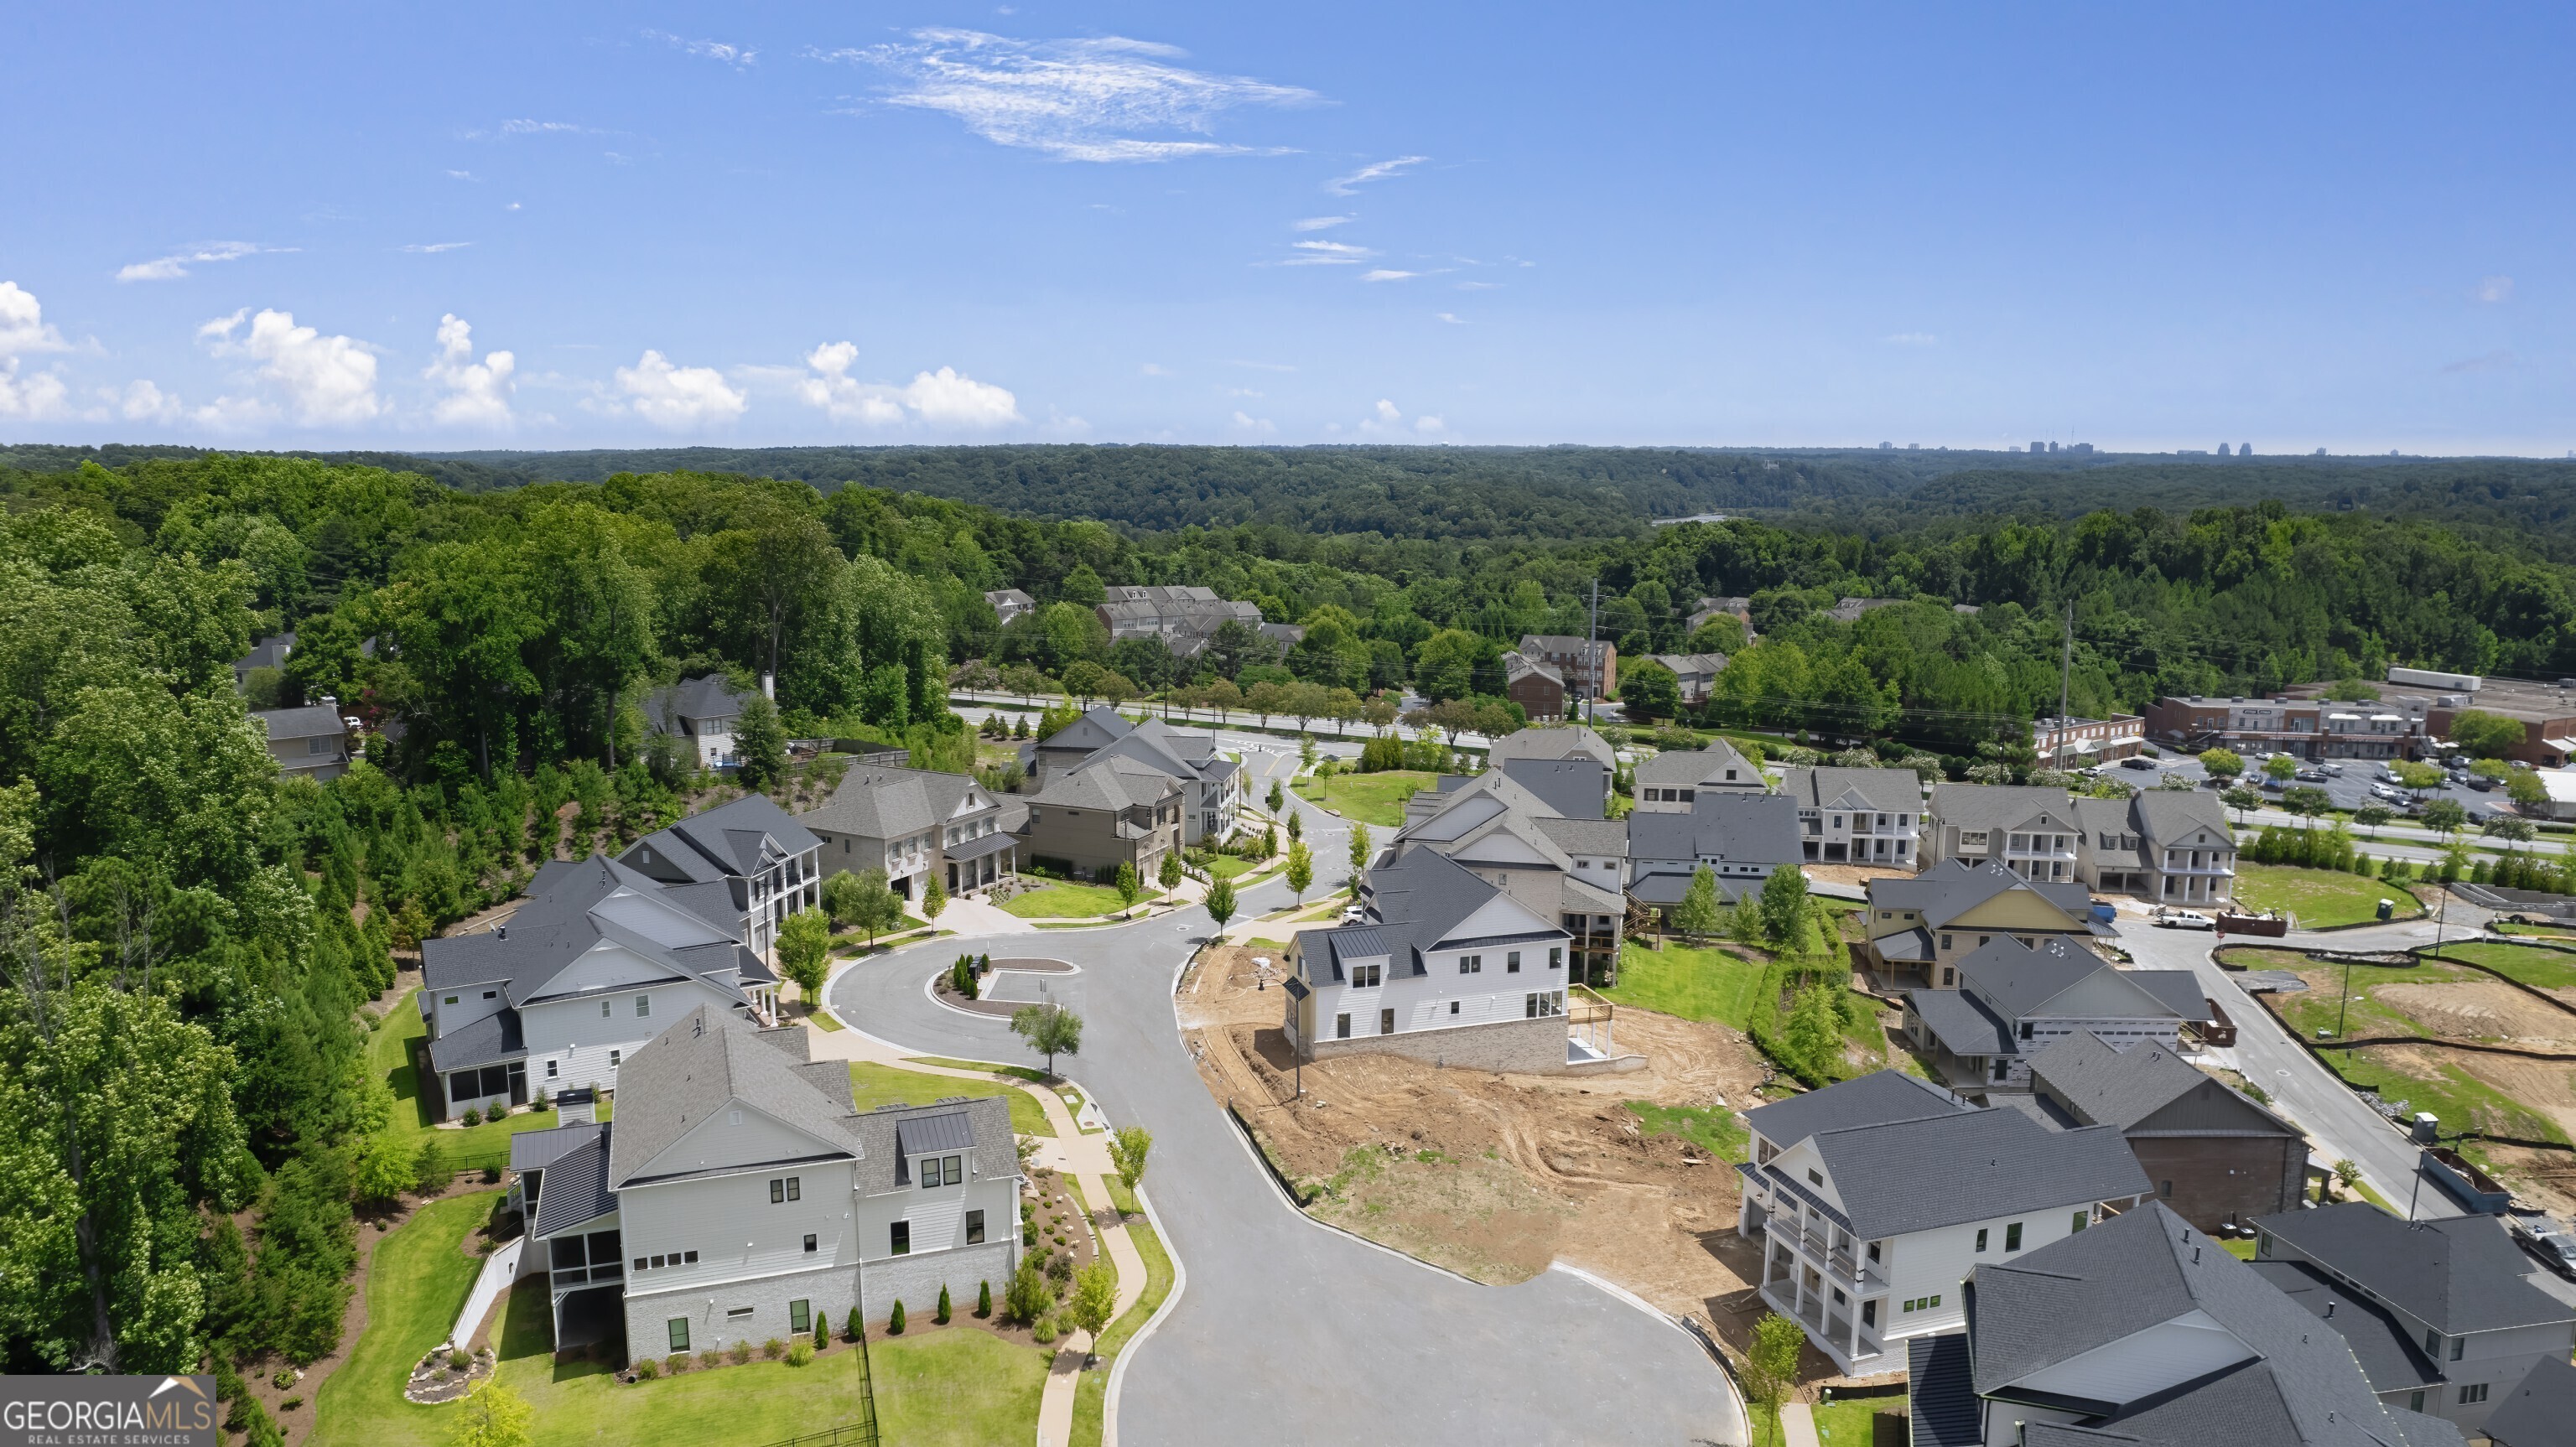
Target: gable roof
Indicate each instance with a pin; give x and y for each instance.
(575, 1189)
(571, 907)
(1720, 824)
(2163, 814)
(1960, 1021)
(1594, 838)
(2020, 981)
(1554, 741)
(2389, 1353)
(1111, 782)
(1953, 887)
(2457, 1274)
(707, 1060)
(1454, 791)
(892, 802)
(1415, 901)
(2537, 1410)
(1573, 787)
(707, 696)
(1878, 1098)
(1518, 666)
(2002, 806)
(1703, 767)
(979, 1128)
(730, 841)
(269, 652)
(2103, 1086)
(1945, 1170)
(312, 721)
(1097, 728)
(1690, 665)
(1893, 791)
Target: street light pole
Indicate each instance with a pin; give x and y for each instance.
(2346, 1007)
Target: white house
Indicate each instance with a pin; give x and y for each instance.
(594, 964)
(1741, 837)
(748, 863)
(703, 711)
(1876, 1197)
(1672, 781)
(1857, 816)
(1442, 967)
(739, 1197)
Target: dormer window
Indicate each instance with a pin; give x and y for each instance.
(938, 1171)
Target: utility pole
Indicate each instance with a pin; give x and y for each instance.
(1592, 658)
(2065, 683)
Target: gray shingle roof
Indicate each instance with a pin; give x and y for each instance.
(1962, 1023)
(1736, 828)
(891, 803)
(2164, 814)
(2003, 806)
(2103, 1086)
(1575, 788)
(705, 1061)
(493, 1040)
(1941, 1394)
(2458, 1274)
(706, 698)
(313, 721)
(269, 652)
(1111, 783)
(1415, 901)
(576, 1187)
(1518, 665)
(1952, 887)
(2538, 1410)
(1945, 1170)
(573, 906)
(1892, 791)
(726, 841)
(1691, 768)
(887, 1132)
(1878, 1098)
(1554, 741)
(1592, 838)
(2020, 981)
(2389, 1354)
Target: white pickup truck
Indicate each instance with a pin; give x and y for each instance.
(2167, 917)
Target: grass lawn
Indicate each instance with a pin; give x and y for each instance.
(389, 1058)
(1091, 1396)
(1376, 800)
(1710, 984)
(1712, 1130)
(944, 1386)
(1227, 866)
(1069, 901)
(2241, 1250)
(1029, 1073)
(873, 1085)
(2462, 1100)
(2319, 898)
(2542, 969)
(2320, 1006)
(1847, 1424)
(418, 1282)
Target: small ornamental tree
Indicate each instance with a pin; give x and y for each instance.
(1050, 1028)
(1128, 1148)
(1277, 799)
(941, 1316)
(805, 953)
(1771, 1366)
(983, 1298)
(760, 743)
(2222, 764)
(851, 1329)
(894, 1319)
(1169, 876)
(1027, 1297)
(1301, 866)
(1095, 1296)
(2243, 800)
(2371, 816)
(1128, 887)
(2280, 768)
(1296, 825)
(494, 1416)
(2445, 816)
(1696, 915)
(1362, 847)
(1220, 902)
(934, 898)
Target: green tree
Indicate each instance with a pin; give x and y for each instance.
(1169, 875)
(1445, 666)
(2222, 764)
(1050, 1029)
(1276, 800)
(760, 743)
(1812, 1037)
(934, 898)
(2243, 800)
(1220, 902)
(1301, 868)
(1649, 691)
(2415, 776)
(1296, 825)
(494, 1416)
(2372, 816)
(1027, 1297)
(2525, 789)
(595, 606)
(1771, 1363)
(2511, 828)
(1362, 848)
(805, 954)
(1130, 889)
(863, 901)
(2280, 768)
(1128, 1147)
(774, 582)
(1095, 1296)
(2307, 801)
(2484, 735)
(1696, 915)
(1784, 905)
(2445, 816)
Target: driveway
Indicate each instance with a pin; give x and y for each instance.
(1287, 1331)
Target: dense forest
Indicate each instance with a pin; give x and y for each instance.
(185, 1120)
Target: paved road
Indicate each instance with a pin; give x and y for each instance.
(2302, 1089)
(1289, 1332)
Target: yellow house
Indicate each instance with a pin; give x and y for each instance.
(1921, 927)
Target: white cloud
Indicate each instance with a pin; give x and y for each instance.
(31, 398)
(513, 206)
(142, 401)
(1387, 420)
(1261, 366)
(1103, 99)
(737, 56)
(432, 248)
(1238, 392)
(1429, 426)
(321, 379)
(477, 393)
(1260, 426)
(1389, 274)
(1321, 223)
(1374, 171)
(1452, 318)
(23, 327)
(940, 399)
(463, 176)
(678, 397)
(526, 127)
(1911, 339)
(1153, 369)
(1480, 286)
(1334, 248)
(2493, 289)
(176, 264)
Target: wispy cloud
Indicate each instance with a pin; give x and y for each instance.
(1910, 339)
(1257, 426)
(2497, 361)
(1321, 223)
(737, 56)
(1452, 318)
(2493, 289)
(1109, 99)
(1387, 273)
(1327, 253)
(432, 248)
(1480, 286)
(526, 126)
(176, 264)
(1153, 369)
(1262, 366)
(1374, 171)
(454, 175)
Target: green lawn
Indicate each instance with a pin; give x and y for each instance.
(873, 1085)
(1029, 1073)
(2319, 898)
(1712, 1130)
(953, 1385)
(417, 1283)
(1226, 866)
(1376, 800)
(2542, 969)
(1847, 1424)
(1091, 1396)
(1710, 984)
(1068, 901)
(2241, 1250)
(389, 1058)
(2462, 1100)
(2322, 1005)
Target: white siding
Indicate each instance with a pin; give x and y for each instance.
(737, 1233)
(574, 1035)
(2142, 1363)
(938, 1215)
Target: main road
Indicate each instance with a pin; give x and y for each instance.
(1289, 1331)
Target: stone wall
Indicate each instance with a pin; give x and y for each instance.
(1526, 1047)
(915, 1280)
(713, 1326)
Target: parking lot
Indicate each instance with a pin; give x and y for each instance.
(2348, 790)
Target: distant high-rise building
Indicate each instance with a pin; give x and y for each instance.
(2039, 447)
(2222, 449)
(2320, 452)
(2245, 449)
(1887, 447)
(1918, 447)
(2084, 447)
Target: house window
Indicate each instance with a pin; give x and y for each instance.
(901, 1238)
(491, 994)
(800, 1316)
(1556, 958)
(1367, 977)
(1341, 1027)
(1471, 964)
(785, 1188)
(450, 1000)
(643, 1006)
(1386, 1022)
(603, 1008)
(1945, 942)
(942, 1171)
(1453, 1007)
(2082, 1220)
(2473, 1393)
(1981, 1238)
(2459, 1344)
(678, 1327)
(614, 1056)
(688, 1258)
(1815, 1177)
(1949, 976)
(1512, 963)
(553, 1069)
(810, 1243)
(738, 1313)
(2012, 1236)
(2165, 1189)
(974, 1228)
(646, 1262)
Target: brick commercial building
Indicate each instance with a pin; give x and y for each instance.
(2306, 728)
(2078, 742)
(2546, 711)
(1590, 669)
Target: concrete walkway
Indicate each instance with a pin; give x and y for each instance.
(1797, 1425)
(975, 917)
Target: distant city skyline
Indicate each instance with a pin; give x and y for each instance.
(591, 225)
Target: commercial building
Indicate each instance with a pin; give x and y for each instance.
(2306, 728)
(2075, 743)
(1184, 618)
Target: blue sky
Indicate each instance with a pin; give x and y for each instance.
(582, 225)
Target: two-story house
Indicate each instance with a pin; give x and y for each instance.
(1213, 785)
(2142, 1332)
(311, 742)
(1858, 816)
(739, 1197)
(2032, 831)
(2457, 1287)
(1009, 604)
(1920, 928)
(1537, 688)
(1672, 781)
(2172, 846)
(1590, 667)
(702, 713)
(2216, 1157)
(1875, 1197)
(917, 825)
(749, 856)
(2012, 1000)
(1568, 870)
(1694, 673)
(1090, 820)
(595, 962)
(1442, 966)
(1741, 837)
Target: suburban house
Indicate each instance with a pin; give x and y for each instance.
(269, 652)
(2012, 1001)
(1566, 869)
(2142, 1332)
(1875, 1197)
(1213, 785)
(1921, 928)
(702, 711)
(1571, 767)
(2457, 1286)
(748, 856)
(1441, 966)
(1009, 604)
(2030, 830)
(311, 742)
(1672, 781)
(1696, 673)
(1118, 810)
(2305, 728)
(1742, 838)
(1739, 609)
(917, 825)
(1536, 687)
(2078, 743)
(1849, 610)
(592, 965)
(2172, 846)
(2537, 1411)
(1857, 816)
(728, 1133)
(1184, 618)
(1590, 667)
(2216, 1157)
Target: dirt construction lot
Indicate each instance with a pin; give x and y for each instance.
(1497, 1176)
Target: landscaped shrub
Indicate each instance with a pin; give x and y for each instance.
(460, 1360)
(471, 1117)
(647, 1369)
(894, 1319)
(983, 1298)
(1044, 1329)
(854, 1328)
(677, 1363)
(941, 1316)
(801, 1354)
(430, 1172)
(290, 1404)
(772, 1347)
(1027, 1296)
(710, 1358)
(741, 1352)
(282, 1378)
(822, 1331)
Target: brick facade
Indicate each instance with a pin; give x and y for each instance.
(2221, 1179)
(1521, 1047)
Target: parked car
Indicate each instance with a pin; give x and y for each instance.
(2547, 1244)
(2482, 783)
(2170, 918)
(2336, 770)
(2312, 776)
(2138, 761)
